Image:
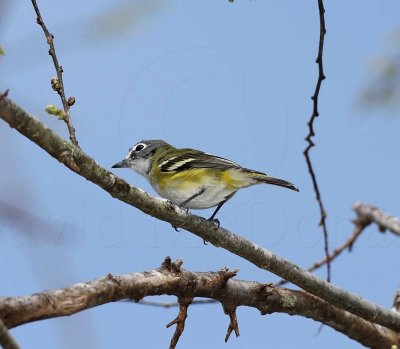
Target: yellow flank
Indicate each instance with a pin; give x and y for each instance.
(227, 179)
(237, 179)
(233, 179)
(185, 179)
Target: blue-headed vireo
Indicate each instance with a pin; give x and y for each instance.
(191, 178)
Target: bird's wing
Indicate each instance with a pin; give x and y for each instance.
(196, 159)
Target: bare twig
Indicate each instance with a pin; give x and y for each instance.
(384, 220)
(360, 225)
(57, 84)
(6, 339)
(180, 320)
(233, 323)
(214, 285)
(85, 166)
(311, 133)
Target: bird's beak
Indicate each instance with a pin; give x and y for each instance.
(121, 164)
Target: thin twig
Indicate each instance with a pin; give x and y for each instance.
(6, 339)
(180, 320)
(58, 85)
(233, 323)
(311, 133)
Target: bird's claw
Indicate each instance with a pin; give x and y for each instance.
(183, 207)
(175, 227)
(215, 221)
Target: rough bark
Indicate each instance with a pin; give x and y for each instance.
(171, 279)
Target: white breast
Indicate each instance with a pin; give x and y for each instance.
(212, 196)
(141, 166)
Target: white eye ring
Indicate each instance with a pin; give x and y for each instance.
(139, 147)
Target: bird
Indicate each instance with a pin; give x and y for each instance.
(192, 179)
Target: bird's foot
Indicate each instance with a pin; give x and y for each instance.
(183, 207)
(215, 221)
(175, 227)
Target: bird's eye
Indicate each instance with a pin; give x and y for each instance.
(139, 147)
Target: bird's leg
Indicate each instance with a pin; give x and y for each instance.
(216, 220)
(183, 204)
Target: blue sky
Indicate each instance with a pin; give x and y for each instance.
(233, 79)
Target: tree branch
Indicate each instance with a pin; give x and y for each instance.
(57, 84)
(311, 133)
(171, 279)
(376, 215)
(6, 339)
(79, 162)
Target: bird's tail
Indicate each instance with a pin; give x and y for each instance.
(263, 178)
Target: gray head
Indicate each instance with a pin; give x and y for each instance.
(139, 157)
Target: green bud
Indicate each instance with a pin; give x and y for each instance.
(53, 110)
(55, 84)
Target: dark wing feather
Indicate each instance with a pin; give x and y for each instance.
(196, 159)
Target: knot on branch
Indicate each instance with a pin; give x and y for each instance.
(172, 267)
(270, 294)
(67, 157)
(227, 274)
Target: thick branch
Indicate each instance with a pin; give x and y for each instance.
(79, 162)
(176, 281)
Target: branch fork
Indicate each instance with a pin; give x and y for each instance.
(233, 324)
